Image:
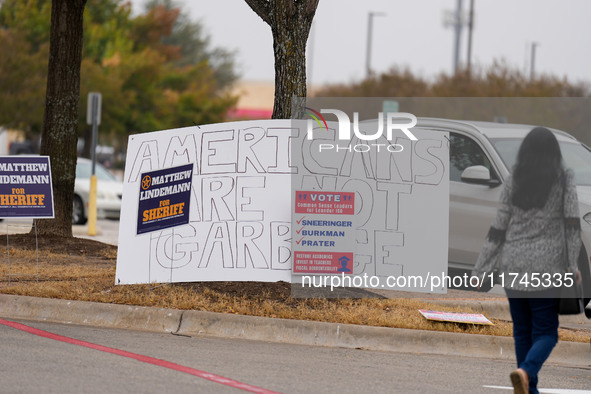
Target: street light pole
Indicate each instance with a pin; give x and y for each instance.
(370, 16)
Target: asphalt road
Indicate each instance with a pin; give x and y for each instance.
(34, 364)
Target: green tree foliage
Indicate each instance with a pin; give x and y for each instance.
(195, 47)
(23, 74)
(106, 30)
(155, 70)
(29, 18)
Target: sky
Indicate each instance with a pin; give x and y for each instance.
(410, 35)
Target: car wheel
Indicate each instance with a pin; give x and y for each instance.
(78, 212)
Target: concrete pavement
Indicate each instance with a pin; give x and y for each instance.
(200, 323)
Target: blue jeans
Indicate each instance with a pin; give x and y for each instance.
(535, 331)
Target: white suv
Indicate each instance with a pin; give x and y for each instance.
(481, 157)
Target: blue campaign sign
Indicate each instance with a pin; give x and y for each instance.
(25, 187)
(164, 198)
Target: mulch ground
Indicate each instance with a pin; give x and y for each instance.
(71, 250)
(60, 245)
(84, 251)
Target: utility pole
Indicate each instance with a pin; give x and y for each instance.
(370, 15)
(533, 60)
(456, 20)
(470, 28)
(458, 29)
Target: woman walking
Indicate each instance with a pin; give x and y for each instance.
(536, 227)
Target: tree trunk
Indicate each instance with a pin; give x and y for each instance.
(290, 22)
(290, 35)
(60, 123)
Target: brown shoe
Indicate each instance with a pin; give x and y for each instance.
(520, 381)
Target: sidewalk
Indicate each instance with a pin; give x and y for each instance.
(199, 323)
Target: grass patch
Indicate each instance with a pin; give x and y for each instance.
(71, 277)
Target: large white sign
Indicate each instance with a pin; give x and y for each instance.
(241, 201)
(239, 223)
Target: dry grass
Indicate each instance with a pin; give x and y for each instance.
(95, 282)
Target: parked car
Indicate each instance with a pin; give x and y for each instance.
(482, 155)
(23, 148)
(109, 192)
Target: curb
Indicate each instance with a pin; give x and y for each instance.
(90, 313)
(276, 330)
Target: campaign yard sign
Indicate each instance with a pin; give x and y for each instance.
(324, 239)
(401, 201)
(454, 317)
(25, 187)
(164, 198)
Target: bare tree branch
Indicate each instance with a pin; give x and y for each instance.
(262, 9)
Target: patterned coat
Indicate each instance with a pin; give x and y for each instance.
(530, 241)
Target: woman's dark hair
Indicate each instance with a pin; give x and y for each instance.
(539, 166)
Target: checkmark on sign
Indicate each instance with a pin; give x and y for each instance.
(300, 230)
(298, 242)
(300, 221)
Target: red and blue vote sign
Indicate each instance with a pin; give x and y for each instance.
(25, 187)
(164, 198)
(325, 203)
(323, 232)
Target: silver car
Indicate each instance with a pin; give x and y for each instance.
(109, 192)
(482, 155)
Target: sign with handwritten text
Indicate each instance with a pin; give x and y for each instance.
(245, 179)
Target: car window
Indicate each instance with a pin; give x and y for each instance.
(576, 157)
(83, 170)
(464, 152)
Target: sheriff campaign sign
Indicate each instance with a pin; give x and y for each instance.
(25, 187)
(164, 198)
